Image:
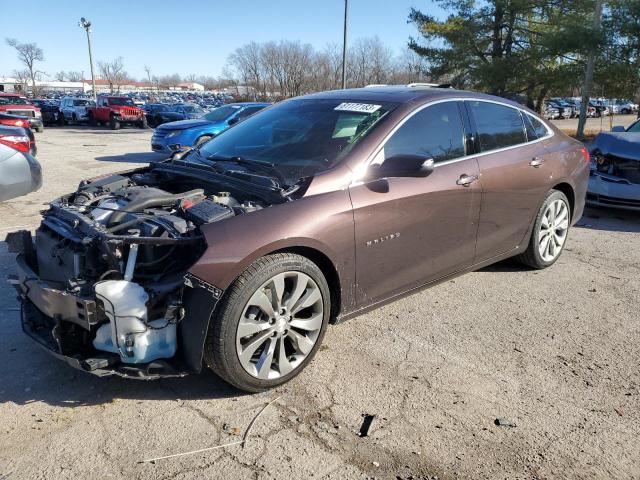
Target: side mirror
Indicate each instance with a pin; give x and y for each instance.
(402, 166)
(618, 128)
(233, 121)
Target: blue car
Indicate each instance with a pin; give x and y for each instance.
(182, 134)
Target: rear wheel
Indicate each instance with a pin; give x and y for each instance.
(270, 323)
(549, 232)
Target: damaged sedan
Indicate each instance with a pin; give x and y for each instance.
(237, 254)
(615, 169)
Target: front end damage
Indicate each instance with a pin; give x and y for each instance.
(105, 283)
(614, 179)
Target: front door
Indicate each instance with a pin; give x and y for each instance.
(418, 229)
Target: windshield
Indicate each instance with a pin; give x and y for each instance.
(299, 138)
(121, 101)
(11, 100)
(192, 109)
(80, 103)
(635, 128)
(221, 113)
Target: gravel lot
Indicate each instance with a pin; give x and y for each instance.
(555, 352)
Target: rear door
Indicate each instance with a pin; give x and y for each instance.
(418, 229)
(513, 173)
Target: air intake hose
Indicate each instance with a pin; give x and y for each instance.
(146, 200)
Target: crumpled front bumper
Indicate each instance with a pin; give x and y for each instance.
(53, 318)
(613, 192)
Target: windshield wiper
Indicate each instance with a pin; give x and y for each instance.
(254, 165)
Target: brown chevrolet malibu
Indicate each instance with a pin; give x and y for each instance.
(238, 254)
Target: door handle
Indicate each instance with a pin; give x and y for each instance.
(466, 180)
(536, 162)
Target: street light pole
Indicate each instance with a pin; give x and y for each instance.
(86, 24)
(344, 46)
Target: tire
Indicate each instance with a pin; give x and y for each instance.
(202, 139)
(143, 123)
(74, 119)
(61, 120)
(92, 121)
(223, 342)
(114, 124)
(532, 256)
(40, 129)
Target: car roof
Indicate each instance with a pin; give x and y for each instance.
(401, 94)
(248, 104)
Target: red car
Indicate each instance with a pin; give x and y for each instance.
(115, 111)
(15, 104)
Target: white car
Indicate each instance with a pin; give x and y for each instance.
(74, 110)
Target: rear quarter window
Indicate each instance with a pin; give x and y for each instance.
(498, 126)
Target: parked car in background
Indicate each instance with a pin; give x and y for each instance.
(627, 107)
(183, 134)
(115, 111)
(615, 169)
(550, 112)
(188, 111)
(14, 121)
(159, 113)
(20, 173)
(49, 109)
(565, 110)
(238, 255)
(19, 138)
(74, 110)
(15, 104)
(600, 109)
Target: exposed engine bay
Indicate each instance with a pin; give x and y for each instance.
(104, 281)
(628, 169)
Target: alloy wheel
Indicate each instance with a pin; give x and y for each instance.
(280, 325)
(553, 230)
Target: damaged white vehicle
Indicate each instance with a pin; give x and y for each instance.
(615, 169)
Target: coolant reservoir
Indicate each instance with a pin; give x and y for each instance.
(127, 333)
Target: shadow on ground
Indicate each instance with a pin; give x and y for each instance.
(610, 219)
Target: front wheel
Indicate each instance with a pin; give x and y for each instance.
(549, 232)
(270, 323)
(143, 123)
(114, 124)
(40, 129)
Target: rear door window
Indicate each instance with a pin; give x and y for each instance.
(539, 127)
(498, 126)
(434, 132)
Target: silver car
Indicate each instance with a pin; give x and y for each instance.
(615, 169)
(20, 173)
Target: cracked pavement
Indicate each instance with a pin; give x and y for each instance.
(555, 352)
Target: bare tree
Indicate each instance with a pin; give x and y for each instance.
(22, 76)
(60, 76)
(147, 69)
(28, 54)
(113, 72)
(74, 76)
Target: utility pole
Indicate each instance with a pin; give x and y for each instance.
(86, 24)
(588, 73)
(344, 46)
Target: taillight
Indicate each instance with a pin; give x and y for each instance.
(19, 142)
(585, 155)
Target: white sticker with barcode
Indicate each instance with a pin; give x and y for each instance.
(358, 107)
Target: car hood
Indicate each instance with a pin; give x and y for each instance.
(184, 124)
(620, 144)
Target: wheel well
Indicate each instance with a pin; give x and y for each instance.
(328, 270)
(569, 193)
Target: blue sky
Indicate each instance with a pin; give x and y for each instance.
(193, 36)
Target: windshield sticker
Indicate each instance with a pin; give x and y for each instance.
(358, 107)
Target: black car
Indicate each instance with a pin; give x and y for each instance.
(50, 110)
(159, 113)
